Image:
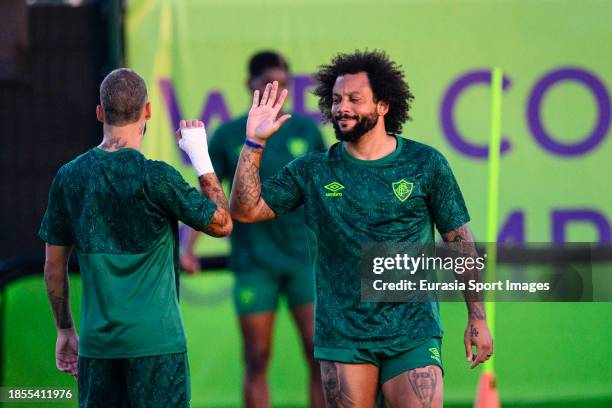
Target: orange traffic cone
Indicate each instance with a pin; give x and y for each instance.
(487, 396)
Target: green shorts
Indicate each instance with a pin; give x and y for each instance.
(391, 361)
(258, 292)
(154, 381)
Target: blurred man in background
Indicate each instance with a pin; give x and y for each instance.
(372, 186)
(120, 212)
(270, 259)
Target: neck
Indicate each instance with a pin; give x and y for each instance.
(374, 145)
(120, 137)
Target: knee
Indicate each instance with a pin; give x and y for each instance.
(256, 360)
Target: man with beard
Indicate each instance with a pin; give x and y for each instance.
(372, 186)
(268, 260)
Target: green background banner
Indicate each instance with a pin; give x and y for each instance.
(555, 166)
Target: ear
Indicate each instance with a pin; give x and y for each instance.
(382, 108)
(147, 110)
(100, 113)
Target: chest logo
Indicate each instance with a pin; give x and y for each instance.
(334, 189)
(402, 189)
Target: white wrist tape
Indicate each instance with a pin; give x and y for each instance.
(193, 142)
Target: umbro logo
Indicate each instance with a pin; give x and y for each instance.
(334, 189)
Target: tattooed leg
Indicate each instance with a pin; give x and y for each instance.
(349, 385)
(418, 388)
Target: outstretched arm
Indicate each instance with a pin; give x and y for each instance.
(477, 331)
(56, 281)
(246, 205)
(191, 138)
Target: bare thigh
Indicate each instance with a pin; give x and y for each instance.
(349, 385)
(418, 388)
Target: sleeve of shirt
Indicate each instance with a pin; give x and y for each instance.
(55, 227)
(284, 192)
(445, 202)
(169, 190)
(218, 156)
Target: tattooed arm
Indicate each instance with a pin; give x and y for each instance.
(194, 143)
(56, 281)
(477, 331)
(246, 205)
(221, 223)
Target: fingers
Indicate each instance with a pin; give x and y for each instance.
(484, 352)
(266, 95)
(68, 366)
(279, 122)
(272, 98)
(187, 124)
(469, 356)
(281, 99)
(255, 99)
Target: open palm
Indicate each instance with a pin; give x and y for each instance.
(262, 121)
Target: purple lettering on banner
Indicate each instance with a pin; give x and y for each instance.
(534, 118)
(447, 115)
(300, 86)
(514, 228)
(561, 218)
(214, 105)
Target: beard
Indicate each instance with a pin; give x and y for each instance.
(363, 126)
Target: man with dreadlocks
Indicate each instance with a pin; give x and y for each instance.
(353, 194)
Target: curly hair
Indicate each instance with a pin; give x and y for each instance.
(386, 80)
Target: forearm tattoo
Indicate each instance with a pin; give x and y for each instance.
(246, 189)
(424, 382)
(210, 186)
(60, 302)
(461, 242)
(334, 388)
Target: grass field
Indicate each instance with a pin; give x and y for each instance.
(548, 355)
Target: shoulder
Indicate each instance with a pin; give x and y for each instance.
(78, 164)
(158, 171)
(428, 156)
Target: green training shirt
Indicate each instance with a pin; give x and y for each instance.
(348, 202)
(277, 246)
(121, 212)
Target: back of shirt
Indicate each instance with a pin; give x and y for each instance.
(121, 212)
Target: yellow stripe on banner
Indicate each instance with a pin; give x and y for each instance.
(139, 11)
(493, 197)
(159, 143)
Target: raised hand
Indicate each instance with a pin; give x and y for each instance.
(262, 121)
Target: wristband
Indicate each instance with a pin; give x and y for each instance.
(253, 144)
(193, 142)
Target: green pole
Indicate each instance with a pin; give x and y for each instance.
(493, 196)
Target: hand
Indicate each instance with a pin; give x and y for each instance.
(66, 352)
(262, 121)
(477, 334)
(190, 262)
(191, 138)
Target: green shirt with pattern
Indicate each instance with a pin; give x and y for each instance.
(277, 246)
(120, 211)
(349, 202)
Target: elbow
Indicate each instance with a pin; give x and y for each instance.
(237, 214)
(241, 217)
